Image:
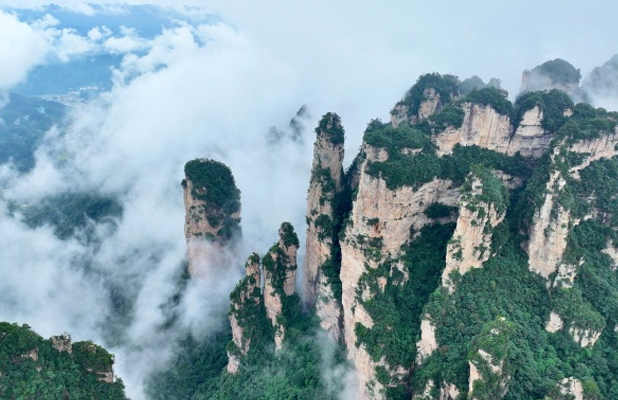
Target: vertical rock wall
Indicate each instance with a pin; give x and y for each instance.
(325, 185)
(279, 278)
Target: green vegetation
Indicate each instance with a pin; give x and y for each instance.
(213, 183)
(492, 190)
(476, 83)
(450, 115)
(446, 86)
(330, 125)
(70, 213)
(490, 97)
(414, 170)
(559, 71)
(31, 368)
(397, 311)
(552, 103)
(395, 139)
(289, 237)
(439, 210)
(23, 124)
(587, 123)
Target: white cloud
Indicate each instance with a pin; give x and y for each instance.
(214, 91)
(21, 49)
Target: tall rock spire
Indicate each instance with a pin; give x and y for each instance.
(326, 183)
(212, 212)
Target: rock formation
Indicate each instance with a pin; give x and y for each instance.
(489, 377)
(416, 256)
(321, 274)
(280, 278)
(482, 126)
(381, 221)
(212, 214)
(246, 304)
(479, 214)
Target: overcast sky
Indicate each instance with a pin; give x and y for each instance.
(217, 97)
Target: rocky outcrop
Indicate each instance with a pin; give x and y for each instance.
(428, 342)
(482, 126)
(245, 301)
(381, 221)
(399, 114)
(489, 376)
(555, 323)
(325, 185)
(445, 392)
(470, 245)
(485, 127)
(530, 139)
(212, 214)
(571, 387)
(429, 105)
(594, 149)
(550, 228)
(585, 337)
(612, 252)
(62, 343)
(280, 278)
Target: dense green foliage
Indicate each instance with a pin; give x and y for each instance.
(414, 170)
(450, 115)
(31, 368)
(70, 213)
(289, 237)
(213, 183)
(330, 125)
(23, 124)
(588, 123)
(559, 71)
(395, 139)
(446, 86)
(397, 311)
(490, 97)
(552, 103)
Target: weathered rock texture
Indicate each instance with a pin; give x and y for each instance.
(280, 278)
(245, 300)
(470, 246)
(489, 377)
(212, 214)
(555, 323)
(62, 343)
(571, 387)
(428, 342)
(585, 337)
(325, 185)
(530, 139)
(381, 222)
(549, 231)
(485, 127)
(482, 126)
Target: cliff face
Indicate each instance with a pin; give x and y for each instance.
(212, 214)
(489, 375)
(482, 126)
(246, 301)
(381, 221)
(325, 186)
(279, 278)
(468, 239)
(479, 214)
